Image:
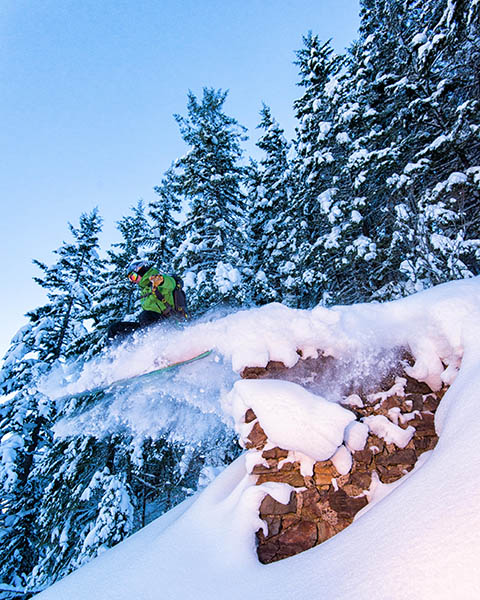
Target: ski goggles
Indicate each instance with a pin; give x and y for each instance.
(134, 277)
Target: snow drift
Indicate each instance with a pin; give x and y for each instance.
(421, 540)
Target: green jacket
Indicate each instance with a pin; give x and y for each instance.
(149, 300)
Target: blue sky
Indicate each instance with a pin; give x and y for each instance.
(89, 88)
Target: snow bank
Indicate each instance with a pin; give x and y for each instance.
(277, 333)
(391, 433)
(292, 417)
(421, 540)
(356, 435)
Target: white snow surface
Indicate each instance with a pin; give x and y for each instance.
(342, 460)
(356, 435)
(391, 433)
(419, 540)
(291, 417)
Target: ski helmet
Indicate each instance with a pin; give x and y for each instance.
(138, 266)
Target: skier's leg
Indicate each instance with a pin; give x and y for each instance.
(148, 317)
(121, 329)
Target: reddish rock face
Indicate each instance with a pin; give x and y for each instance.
(344, 505)
(327, 502)
(431, 403)
(270, 370)
(289, 473)
(300, 536)
(400, 457)
(416, 400)
(357, 482)
(256, 438)
(416, 387)
(297, 538)
(270, 506)
(363, 457)
(324, 472)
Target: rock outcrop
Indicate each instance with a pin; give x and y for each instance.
(394, 425)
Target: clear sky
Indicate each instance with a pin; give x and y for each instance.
(87, 93)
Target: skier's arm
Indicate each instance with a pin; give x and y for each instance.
(162, 286)
(156, 280)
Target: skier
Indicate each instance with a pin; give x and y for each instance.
(162, 298)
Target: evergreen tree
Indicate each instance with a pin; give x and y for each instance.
(164, 237)
(69, 283)
(319, 70)
(87, 505)
(114, 298)
(103, 487)
(436, 194)
(99, 487)
(400, 201)
(133, 246)
(353, 201)
(207, 181)
(271, 243)
(25, 413)
(320, 144)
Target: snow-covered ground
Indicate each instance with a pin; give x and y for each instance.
(421, 540)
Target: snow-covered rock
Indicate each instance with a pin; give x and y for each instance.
(421, 539)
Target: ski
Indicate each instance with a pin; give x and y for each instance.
(134, 378)
(165, 368)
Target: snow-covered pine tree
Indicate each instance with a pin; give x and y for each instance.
(415, 148)
(162, 238)
(26, 414)
(388, 217)
(69, 284)
(315, 167)
(87, 503)
(100, 487)
(86, 507)
(207, 182)
(348, 247)
(254, 274)
(367, 116)
(114, 298)
(104, 486)
(271, 234)
(436, 191)
(167, 469)
(135, 232)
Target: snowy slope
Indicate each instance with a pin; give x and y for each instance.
(420, 541)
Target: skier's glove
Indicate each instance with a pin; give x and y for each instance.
(156, 280)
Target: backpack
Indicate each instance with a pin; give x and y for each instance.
(179, 297)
